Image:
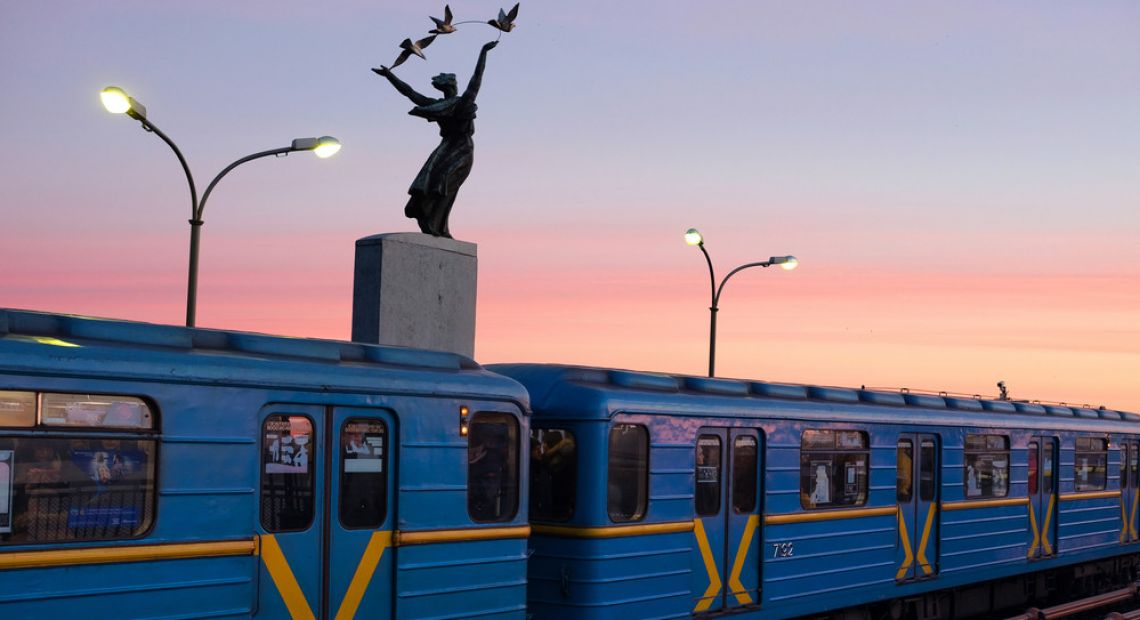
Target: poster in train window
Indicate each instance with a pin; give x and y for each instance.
(833, 468)
(114, 472)
(6, 491)
(287, 445)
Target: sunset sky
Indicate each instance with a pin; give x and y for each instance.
(961, 182)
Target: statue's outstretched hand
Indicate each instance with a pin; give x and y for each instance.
(490, 46)
(384, 71)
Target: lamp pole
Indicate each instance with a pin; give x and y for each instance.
(117, 101)
(693, 237)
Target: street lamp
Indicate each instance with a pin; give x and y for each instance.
(116, 101)
(693, 237)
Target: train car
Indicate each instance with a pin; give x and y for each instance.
(660, 496)
(150, 471)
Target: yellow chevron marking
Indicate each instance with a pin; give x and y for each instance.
(363, 576)
(1123, 521)
(1045, 526)
(1132, 521)
(1033, 527)
(738, 589)
(904, 536)
(926, 569)
(284, 580)
(710, 566)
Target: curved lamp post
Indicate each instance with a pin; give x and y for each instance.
(116, 101)
(693, 237)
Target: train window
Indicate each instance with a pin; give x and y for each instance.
(708, 475)
(926, 473)
(904, 471)
(628, 484)
(1134, 460)
(95, 410)
(1032, 475)
(1090, 464)
(986, 471)
(17, 408)
(833, 468)
(363, 476)
(553, 473)
(55, 489)
(493, 467)
(1124, 466)
(744, 460)
(287, 476)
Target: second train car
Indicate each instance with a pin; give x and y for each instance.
(660, 496)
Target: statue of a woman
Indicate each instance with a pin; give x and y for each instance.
(433, 191)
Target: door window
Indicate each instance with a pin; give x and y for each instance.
(363, 473)
(904, 472)
(708, 475)
(744, 462)
(287, 476)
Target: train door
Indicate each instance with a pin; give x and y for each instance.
(1129, 490)
(325, 513)
(918, 468)
(1042, 483)
(727, 523)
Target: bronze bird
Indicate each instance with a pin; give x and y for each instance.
(443, 26)
(506, 21)
(410, 48)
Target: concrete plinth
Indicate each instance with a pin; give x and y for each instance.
(415, 290)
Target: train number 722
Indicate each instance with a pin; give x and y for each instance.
(783, 550)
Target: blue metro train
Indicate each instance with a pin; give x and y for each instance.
(151, 471)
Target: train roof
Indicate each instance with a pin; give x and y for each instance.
(582, 392)
(45, 342)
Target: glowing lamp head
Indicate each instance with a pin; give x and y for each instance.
(693, 237)
(115, 100)
(327, 146)
(787, 263)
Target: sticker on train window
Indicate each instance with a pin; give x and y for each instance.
(17, 408)
(6, 491)
(362, 447)
(287, 445)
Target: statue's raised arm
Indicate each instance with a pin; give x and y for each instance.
(477, 76)
(402, 86)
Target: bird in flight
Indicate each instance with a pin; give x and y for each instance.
(410, 48)
(443, 26)
(506, 21)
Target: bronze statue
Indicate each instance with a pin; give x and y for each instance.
(434, 189)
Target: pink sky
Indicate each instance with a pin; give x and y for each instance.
(959, 182)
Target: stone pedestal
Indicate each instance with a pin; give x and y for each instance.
(415, 290)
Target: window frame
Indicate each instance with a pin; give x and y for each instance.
(643, 503)
(386, 468)
(512, 447)
(1101, 451)
(146, 439)
(986, 450)
(834, 449)
(312, 474)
